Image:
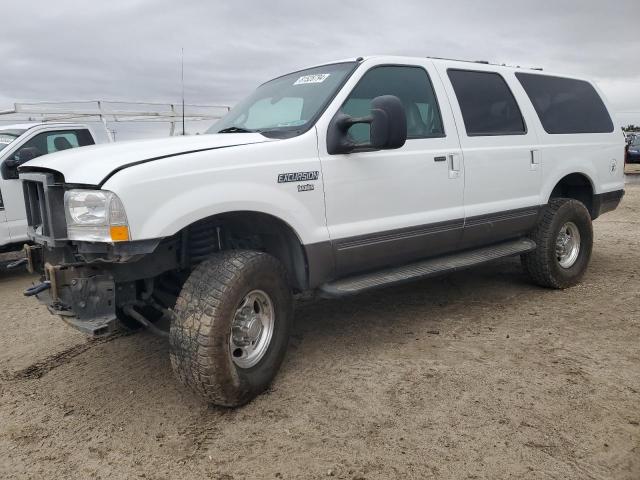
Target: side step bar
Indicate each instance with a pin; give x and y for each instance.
(425, 268)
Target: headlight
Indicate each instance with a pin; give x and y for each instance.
(95, 216)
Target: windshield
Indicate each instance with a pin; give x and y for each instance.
(636, 141)
(288, 105)
(9, 135)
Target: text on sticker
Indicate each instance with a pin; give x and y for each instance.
(317, 78)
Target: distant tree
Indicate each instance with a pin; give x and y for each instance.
(631, 128)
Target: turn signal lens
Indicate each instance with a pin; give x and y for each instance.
(119, 233)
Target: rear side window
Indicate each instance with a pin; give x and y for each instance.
(487, 104)
(566, 105)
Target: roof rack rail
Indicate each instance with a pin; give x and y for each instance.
(484, 62)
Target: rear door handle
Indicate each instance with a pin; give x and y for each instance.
(440, 159)
(535, 160)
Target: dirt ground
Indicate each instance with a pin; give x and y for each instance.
(478, 375)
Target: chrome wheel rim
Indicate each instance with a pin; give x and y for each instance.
(568, 245)
(251, 329)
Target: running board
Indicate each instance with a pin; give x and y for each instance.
(425, 268)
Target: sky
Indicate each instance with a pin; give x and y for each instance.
(131, 49)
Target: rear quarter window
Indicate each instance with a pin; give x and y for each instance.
(566, 105)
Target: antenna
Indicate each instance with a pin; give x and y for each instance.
(182, 81)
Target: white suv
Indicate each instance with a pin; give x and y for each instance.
(339, 178)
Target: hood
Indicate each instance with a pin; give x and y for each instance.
(94, 164)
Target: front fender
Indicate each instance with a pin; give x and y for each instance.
(175, 213)
(166, 195)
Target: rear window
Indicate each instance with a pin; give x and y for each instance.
(566, 105)
(487, 104)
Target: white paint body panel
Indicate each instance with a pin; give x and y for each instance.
(355, 194)
(93, 163)
(5, 234)
(368, 192)
(163, 196)
(499, 174)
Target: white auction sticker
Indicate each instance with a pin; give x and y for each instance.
(317, 78)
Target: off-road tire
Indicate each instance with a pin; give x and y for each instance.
(199, 335)
(541, 265)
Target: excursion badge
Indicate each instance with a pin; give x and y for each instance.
(298, 177)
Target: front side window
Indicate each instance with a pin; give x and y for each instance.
(288, 105)
(411, 85)
(487, 104)
(566, 105)
(50, 142)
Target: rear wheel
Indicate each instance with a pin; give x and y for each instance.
(564, 238)
(231, 328)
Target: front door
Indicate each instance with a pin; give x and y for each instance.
(393, 206)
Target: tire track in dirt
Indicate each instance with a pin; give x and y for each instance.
(42, 367)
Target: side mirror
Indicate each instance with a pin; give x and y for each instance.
(388, 127)
(11, 164)
(10, 168)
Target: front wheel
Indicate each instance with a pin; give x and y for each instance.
(231, 326)
(564, 239)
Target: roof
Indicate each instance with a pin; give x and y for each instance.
(462, 64)
(19, 126)
(27, 126)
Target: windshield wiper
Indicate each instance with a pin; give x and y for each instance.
(235, 130)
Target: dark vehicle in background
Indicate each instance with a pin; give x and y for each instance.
(633, 150)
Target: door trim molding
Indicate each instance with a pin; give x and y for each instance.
(371, 251)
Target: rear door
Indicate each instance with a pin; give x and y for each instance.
(501, 155)
(392, 206)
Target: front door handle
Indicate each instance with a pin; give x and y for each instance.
(454, 165)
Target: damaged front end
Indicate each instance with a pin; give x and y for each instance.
(95, 297)
(95, 286)
(83, 295)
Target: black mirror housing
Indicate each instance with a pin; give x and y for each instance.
(9, 168)
(388, 123)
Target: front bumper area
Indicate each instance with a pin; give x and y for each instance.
(82, 294)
